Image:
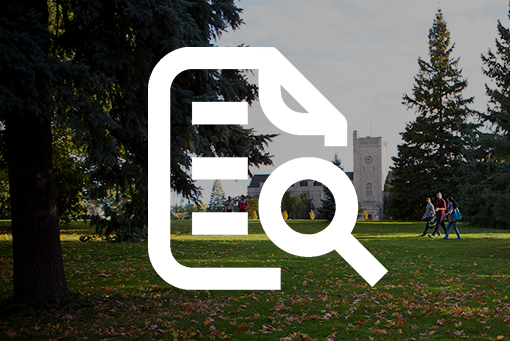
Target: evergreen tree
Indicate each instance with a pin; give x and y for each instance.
(217, 201)
(436, 143)
(71, 173)
(328, 207)
(26, 75)
(486, 179)
(85, 64)
(122, 41)
(498, 110)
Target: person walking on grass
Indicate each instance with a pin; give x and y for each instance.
(450, 216)
(440, 210)
(429, 216)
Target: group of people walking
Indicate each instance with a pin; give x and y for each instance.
(436, 216)
(230, 205)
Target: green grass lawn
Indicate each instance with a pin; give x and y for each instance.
(434, 289)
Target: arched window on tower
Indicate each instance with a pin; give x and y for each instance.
(369, 189)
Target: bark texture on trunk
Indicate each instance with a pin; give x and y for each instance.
(37, 254)
(38, 265)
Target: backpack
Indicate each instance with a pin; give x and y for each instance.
(457, 215)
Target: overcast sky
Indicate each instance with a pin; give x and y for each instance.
(362, 56)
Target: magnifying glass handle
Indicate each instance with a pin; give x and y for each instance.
(361, 260)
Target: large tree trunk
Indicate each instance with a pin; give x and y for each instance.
(37, 254)
(38, 265)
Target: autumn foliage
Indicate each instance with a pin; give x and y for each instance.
(434, 289)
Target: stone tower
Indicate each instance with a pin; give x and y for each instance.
(370, 169)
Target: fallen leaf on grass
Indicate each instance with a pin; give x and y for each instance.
(267, 329)
(331, 337)
(245, 326)
(381, 331)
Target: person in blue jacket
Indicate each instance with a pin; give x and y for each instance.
(450, 217)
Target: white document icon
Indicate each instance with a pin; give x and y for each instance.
(275, 71)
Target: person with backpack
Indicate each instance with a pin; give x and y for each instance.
(451, 214)
(429, 215)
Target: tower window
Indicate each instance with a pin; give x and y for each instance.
(369, 189)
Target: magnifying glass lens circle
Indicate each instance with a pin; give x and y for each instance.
(270, 206)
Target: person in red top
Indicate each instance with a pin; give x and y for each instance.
(242, 204)
(440, 211)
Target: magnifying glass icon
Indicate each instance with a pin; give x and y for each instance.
(337, 236)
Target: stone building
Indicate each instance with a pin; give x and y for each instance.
(369, 175)
(370, 160)
(311, 188)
